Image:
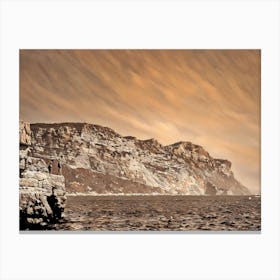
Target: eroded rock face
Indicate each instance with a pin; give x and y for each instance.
(24, 133)
(96, 159)
(41, 195)
(42, 199)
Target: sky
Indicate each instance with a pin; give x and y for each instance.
(209, 97)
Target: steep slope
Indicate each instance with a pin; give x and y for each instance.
(41, 195)
(97, 159)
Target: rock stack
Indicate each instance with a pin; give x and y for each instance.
(42, 194)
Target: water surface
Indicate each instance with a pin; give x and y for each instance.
(162, 213)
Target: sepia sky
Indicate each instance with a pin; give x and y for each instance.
(208, 97)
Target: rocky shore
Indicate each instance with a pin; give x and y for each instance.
(87, 159)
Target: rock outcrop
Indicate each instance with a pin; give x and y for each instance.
(24, 133)
(98, 160)
(41, 194)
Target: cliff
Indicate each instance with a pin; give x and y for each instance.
(96, 159)
(41, 194)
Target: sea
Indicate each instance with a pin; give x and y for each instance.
(160, 213)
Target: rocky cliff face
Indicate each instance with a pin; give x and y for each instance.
(96, 159)
(41, 194)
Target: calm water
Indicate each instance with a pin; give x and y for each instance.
(164, 213)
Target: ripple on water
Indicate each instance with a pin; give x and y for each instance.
(165, 213)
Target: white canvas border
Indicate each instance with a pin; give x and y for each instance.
(124, 24)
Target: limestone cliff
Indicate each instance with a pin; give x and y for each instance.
(41, 194)
(96, 159)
